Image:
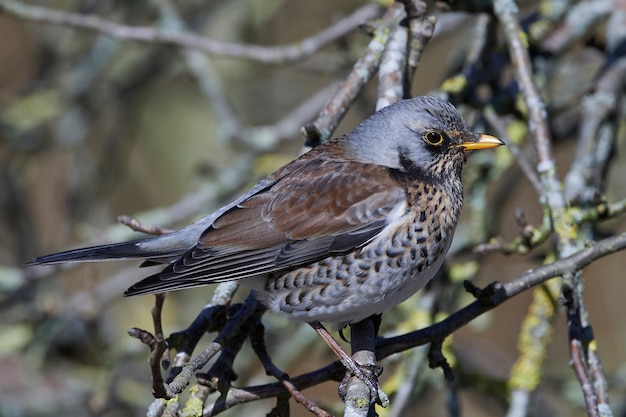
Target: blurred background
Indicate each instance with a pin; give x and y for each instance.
(92, 128)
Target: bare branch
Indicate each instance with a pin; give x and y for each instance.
(580, 19)
(392, 68)
(586, 175)
(577, 351)
(137, 226)
(421, 30)
(506, 10)
(496, 123)
(268, 55)
(306, 403)
(319, 131)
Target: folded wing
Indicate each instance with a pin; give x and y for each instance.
(317, 206)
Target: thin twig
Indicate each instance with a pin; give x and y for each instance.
(264, 138)
(319, 131)
(158, 388)
(222, 295)
(586, 175)
(134, 224)
(522, 161)
(156, 343)
(421, 30)
(306, 403)
(580, 370)
(577, 352)
(345, 359)
(581, 17)
(266, 54)
(598, 377)
(507, 12)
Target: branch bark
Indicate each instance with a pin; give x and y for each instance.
(267, 55)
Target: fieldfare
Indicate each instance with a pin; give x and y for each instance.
(349, 229)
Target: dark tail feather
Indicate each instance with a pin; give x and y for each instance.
(125, 250)
(154, 284)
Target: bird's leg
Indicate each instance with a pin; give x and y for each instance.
(351, 366)
(363, 342)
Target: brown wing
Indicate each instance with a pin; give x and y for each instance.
(318, 205)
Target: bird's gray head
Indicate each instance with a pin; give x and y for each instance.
(425, 134)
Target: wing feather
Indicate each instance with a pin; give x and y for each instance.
(319, 205)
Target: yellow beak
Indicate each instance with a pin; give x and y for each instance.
(484, 142)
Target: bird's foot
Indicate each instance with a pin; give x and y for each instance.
(368, 374)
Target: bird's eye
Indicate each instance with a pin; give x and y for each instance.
(433, 138)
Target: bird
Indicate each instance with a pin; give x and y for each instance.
(347, 230)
